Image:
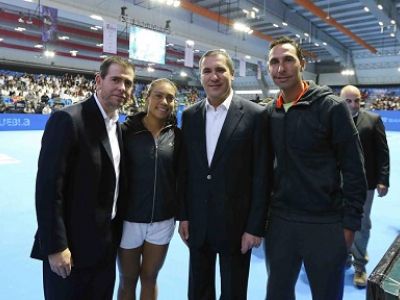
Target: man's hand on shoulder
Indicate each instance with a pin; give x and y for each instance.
(61, 263)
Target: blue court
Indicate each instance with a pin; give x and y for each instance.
(21, 277)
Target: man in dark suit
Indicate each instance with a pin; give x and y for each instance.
(223, 207)
(376, 156)
(78, 187)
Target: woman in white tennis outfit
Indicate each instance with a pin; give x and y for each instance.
(152, 143)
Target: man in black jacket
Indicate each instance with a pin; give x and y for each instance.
(376, 155)
(319, 181)
(77, 190)
(223, 207)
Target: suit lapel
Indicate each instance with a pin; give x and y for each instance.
(200, 125)
(360, 118)
(96, 120)
(233, 117)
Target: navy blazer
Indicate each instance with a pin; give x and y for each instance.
(375, 148)
(75, 187)
(228, 198)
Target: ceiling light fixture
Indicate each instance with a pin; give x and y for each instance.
(242, 27)
(183, 74)
(380, 7)
(284, 24)
(366, 8)
(38, 46)
(73, 52)
(96, 17)
(348, 72)
(49, 53)
(325, 44)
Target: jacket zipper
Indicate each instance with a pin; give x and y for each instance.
(155, 179)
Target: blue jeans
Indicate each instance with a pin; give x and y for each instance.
(361, 238)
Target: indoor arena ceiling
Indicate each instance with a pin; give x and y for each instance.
(331, 31)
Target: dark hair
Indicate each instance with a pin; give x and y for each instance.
(288, 40)
(222, 52)
(107, 62)
(152, 84)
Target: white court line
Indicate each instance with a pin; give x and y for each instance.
(5, 159)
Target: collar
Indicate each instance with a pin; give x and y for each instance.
(280, 101)
(226, 104)
(114, 118)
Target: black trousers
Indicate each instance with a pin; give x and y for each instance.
(92, 283)
(320, 247)
(234, 272)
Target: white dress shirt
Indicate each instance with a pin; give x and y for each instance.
(215, 118)
(111, 126)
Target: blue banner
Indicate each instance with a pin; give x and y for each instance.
(27, 121)
(22, 121)
(390, 118)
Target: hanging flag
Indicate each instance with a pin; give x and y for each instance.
(109, 38)
(189, 46)
(242, 67)
(259, 68)
(49, 25)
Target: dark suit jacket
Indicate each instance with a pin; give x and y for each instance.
(375, 148)
(223, 201)
(75, 187)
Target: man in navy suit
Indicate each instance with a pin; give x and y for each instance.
(223, 205)
(78, 189)
(376, 155)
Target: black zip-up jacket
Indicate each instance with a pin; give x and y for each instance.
(318, 171)
(152, 167)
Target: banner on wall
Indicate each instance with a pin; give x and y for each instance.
(9, 122)
(110, 38)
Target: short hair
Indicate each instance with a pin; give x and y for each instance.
(288, 40)
(350, 88)
(228, 59)
(158, 81)
(107, 62)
